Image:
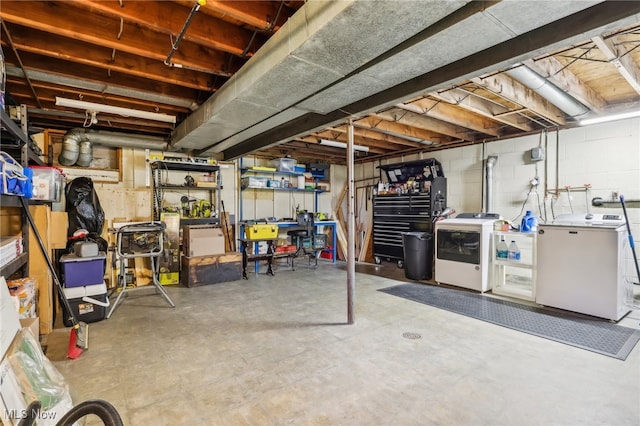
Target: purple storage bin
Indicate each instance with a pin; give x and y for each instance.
(81, 271)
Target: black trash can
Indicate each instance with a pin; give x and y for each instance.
(418, 255)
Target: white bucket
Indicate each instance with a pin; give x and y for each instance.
(300, 182)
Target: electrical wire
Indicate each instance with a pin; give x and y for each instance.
(539, 205)
(524, 203)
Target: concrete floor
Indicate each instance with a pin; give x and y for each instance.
(277, 350)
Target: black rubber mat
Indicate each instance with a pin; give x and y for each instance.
(593, 334)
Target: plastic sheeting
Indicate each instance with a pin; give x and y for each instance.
(84, 211)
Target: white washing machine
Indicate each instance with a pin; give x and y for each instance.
(581, 265)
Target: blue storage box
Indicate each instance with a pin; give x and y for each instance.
(319, 170)
(81, 271)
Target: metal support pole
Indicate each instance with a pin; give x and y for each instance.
(351, 250)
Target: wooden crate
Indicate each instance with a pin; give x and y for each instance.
(218, 268)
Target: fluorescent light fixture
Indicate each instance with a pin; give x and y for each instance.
(338, 144)
(607, 118)
(109, 109)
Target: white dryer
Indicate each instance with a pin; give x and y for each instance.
(581, 265)
(463, 250)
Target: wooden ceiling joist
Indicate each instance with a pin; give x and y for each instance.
(484, 107)
(623, 63)
(516, 92)
(425, 123)
(383, 125)
(108, 32)
(451, 114)
(211, 32)
(38, 42)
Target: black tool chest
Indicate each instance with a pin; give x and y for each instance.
(396, 211)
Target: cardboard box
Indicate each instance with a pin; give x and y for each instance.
(9, 321)
(38, 267)
(58, 224)
(202, 240)
(204, 270)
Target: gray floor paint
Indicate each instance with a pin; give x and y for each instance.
(277, 350)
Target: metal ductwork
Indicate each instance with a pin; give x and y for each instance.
(491, 161)
(534, 81)
(70, 147)
(77, 145)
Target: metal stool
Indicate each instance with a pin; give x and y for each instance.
(136, 241)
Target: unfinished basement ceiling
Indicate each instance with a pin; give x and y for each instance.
(272, 78)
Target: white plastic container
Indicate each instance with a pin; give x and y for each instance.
(285, 164)
(47, 183)
(514, 252)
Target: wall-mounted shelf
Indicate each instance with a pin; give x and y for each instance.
(263, 176)
(283, 189)
(13, 266)
(187, 188)
(270, 172)
(258, 181)
(185, 166)
(17, 144)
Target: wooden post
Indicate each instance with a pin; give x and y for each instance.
(341, 233)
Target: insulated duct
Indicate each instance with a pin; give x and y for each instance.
(491, 161)
(548, 90)
(77, 145)
(70, 147)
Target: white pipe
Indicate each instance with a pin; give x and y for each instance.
(491, 161)
(548, 90)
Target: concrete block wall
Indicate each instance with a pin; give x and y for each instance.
(580, 164)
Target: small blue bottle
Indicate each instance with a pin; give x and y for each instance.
(529, 222)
